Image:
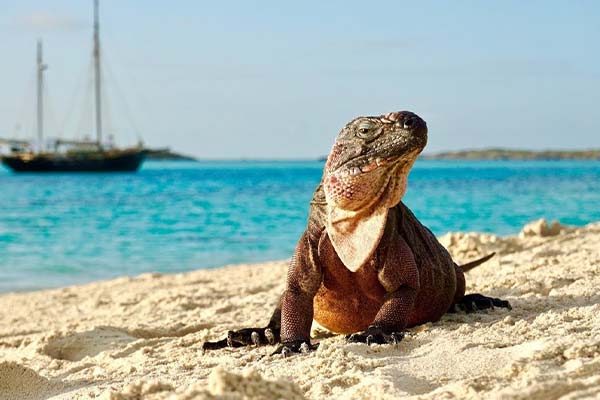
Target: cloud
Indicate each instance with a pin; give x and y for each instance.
(49, 22)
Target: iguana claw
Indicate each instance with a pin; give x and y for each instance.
(375, 335)
(255, 338)
(270, 336)
(230, 342)
(286, 352)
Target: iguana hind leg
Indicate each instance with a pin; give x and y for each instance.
(270, 334)
(475, 301)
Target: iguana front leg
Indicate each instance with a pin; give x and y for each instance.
(303, 280)
(388, 326)
(400, 278)
(295, 306)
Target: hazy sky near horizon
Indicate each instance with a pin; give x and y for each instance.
(273, 79)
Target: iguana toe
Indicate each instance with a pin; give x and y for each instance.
(286, 351)
(295, 347)
(214, 345)
(371, 339)
(375, 335)
(396, 337)
(230, 342)
(270, 336)
(245, 337)
(474, 302)
(255, 338)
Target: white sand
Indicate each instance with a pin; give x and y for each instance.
(140, 338)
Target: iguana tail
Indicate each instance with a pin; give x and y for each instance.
(470, 265)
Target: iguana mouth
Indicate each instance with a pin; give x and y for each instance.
(370, 165)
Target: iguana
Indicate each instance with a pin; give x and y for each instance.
(365, 266)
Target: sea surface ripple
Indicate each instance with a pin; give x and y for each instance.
(62, 229)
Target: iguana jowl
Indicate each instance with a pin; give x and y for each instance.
(365, 266)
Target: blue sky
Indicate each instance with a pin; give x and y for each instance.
(279, 79)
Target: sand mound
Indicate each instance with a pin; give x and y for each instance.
(76, 346)
(466, 246)
(542, 228)
(249, 385)
(221, 385)
(20, 383)
(141, 338)
(141, 391)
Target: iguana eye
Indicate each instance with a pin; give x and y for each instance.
(365, 129)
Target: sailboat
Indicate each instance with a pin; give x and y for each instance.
(79, 156)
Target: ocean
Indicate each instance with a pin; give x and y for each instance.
(64, 229)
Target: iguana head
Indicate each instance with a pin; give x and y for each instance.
(371, 158)
(365, 175)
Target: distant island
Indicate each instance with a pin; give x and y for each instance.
(510, 154)
(166, 154)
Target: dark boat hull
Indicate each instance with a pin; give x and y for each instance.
(106, 161)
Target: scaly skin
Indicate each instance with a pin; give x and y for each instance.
(365, 266)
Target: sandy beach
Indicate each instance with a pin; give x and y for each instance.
(141, 337)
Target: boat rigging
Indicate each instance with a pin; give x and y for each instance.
(81, 155)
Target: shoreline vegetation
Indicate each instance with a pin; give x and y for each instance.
(514, 154)
(165, 154)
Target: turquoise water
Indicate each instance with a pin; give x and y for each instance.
(57, 230)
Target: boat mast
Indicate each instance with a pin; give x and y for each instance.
(40, 94)
(97, 76)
